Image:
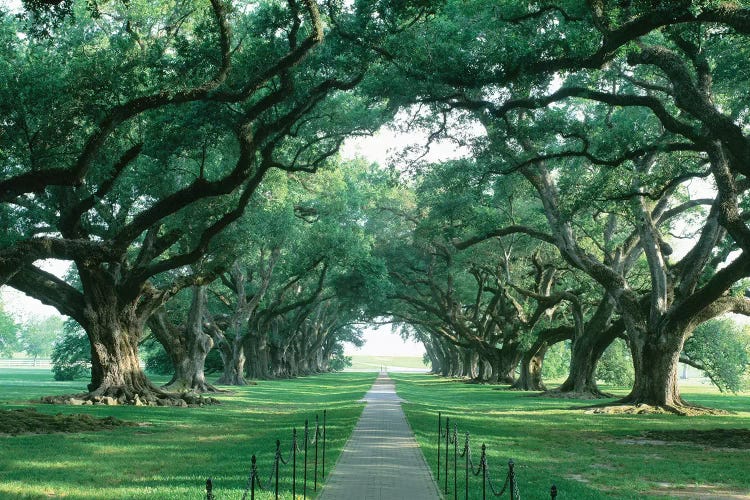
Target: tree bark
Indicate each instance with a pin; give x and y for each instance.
(187, 346)
(114, 325)
(259, 362)
(530, 378)
(115, 367)
(655, 359)
(504, 362)
(436, 364)
(233, 357)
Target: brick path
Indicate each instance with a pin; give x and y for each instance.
(381, 460)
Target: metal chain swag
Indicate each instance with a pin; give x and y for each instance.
(510, 484)
(510, 479)
(254, 478)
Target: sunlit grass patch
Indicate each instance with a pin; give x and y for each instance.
(587, 456)
(375, 363)
(172, 451)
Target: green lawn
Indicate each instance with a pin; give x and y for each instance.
(588, 456)
(175, 449)
(362, 362)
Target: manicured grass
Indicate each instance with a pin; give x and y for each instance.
(176, 449)
(588, 456)
(390, 362)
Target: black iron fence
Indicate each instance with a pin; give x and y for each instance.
(311, 438)
(510, 484)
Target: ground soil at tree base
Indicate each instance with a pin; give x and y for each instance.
(715, 438)
(30, 421)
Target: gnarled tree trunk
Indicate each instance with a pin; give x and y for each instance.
(586, 351)
(187, 346)
(259, 362)
(233, 358)
(655, 360)
(504, 362)
(530, 377)
(114, 325)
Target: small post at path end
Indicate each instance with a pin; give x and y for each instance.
(447, 443)
(440, 438)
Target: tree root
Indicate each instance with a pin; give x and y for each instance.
(235, 381)
(645, 409)
(590, 394)
(518, 387)
(205, 388)
(114, 397)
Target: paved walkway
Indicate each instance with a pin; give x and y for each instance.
(381, 460)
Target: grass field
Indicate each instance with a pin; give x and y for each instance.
(374, 363)
(588, 456)
(175, 449)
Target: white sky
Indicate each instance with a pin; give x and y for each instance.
(381, 341)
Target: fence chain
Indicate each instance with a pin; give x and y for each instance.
(509, 478)
(252, 479)
(471, 462)
(273, 471)
(466, 446)
(476, 470)
(279, 456)
(492, 486)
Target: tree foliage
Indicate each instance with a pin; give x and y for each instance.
(721, 348)
(71, 354)
(616, 365)
(9, 330)
(37, 336)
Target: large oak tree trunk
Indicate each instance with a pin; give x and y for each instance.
(453, 361)
(188, 355)
(434, 355)
(114, 326)
(113, 317)
(472, 364)
(233, 357)
(504, 362)
(586, 351)
(655, 360)
(115, 367)
(258, 356)
(187, 346)
(530, 377)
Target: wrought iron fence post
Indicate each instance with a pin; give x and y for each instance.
(294, 462)
(304, 482)
(512, 478)
(466, 454)
(317, 433)
(553, 492)
(253, 475)
(276, 466)
(323, 475)
(209, 489)
(440, 438)
(455, 461)
(483, 462)
(447, 439)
